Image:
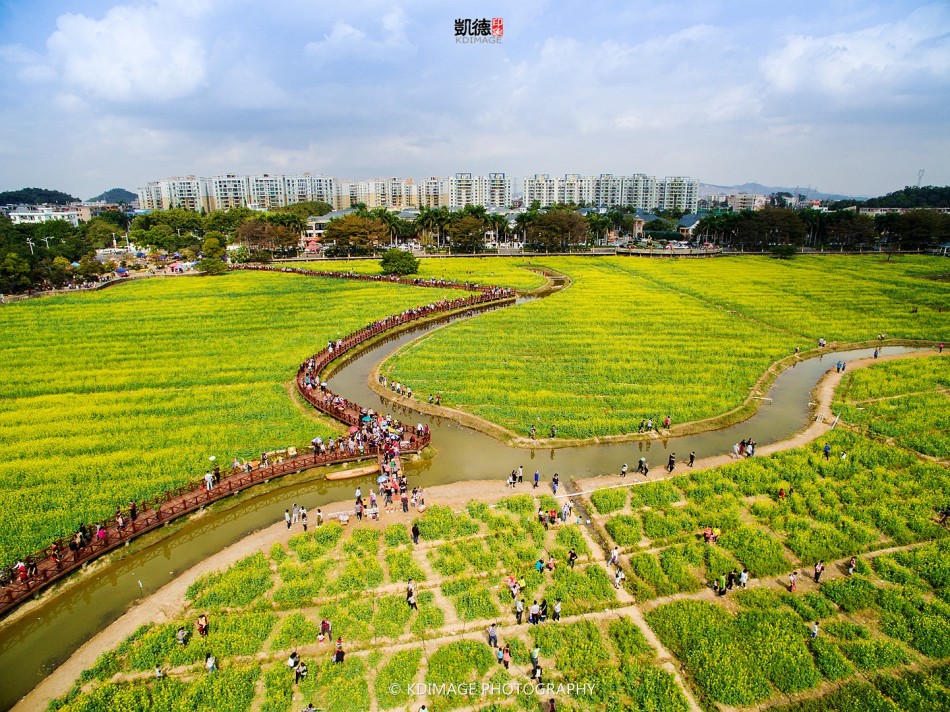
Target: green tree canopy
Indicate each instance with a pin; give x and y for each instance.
(402, 262)
(306, 209)
(211, 266)
(467, 234)
(354, 234)
(557, 230)
(212, 247)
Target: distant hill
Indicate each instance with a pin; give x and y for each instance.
(706, 189)
(35, 196)
(115, 195)
(928, 196)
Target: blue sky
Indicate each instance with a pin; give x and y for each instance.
(847, 97)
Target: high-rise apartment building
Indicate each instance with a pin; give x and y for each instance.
(266, 191)
(678, 193)
(634, 191)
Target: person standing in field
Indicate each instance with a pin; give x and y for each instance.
(819, 568)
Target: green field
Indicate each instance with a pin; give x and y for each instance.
(639, 338)
(120, 394)
(268, 605)
(904, 400)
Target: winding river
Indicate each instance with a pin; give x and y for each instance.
(38, 641)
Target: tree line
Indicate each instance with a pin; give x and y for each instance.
(763, 230)
(45, 255)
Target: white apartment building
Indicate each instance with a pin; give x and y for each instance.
(491, 191)
(746, 201)
(34, 215)
(542, 188)
(266, 191)
(186, 192)
(390, 193)
(258, 192)
(577, 189)
(435, 192)
(636, 191)
(678, 193)
(639, 191)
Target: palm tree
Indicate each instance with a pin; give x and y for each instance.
(499, 225)
(524, 220)
(426, 222)
(442, 218)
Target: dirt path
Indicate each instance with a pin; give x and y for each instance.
(163, 605)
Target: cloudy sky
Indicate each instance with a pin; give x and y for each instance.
(845, 96)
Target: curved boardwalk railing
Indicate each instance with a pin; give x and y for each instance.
(59, 559)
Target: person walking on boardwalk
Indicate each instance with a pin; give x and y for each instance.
(642, 466)
(537, 478)
(623, 470)
(672, 462)
(287, 517)
(692, 458)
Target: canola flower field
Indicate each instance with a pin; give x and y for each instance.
(121, 394)
(904, 400)
(638, 338)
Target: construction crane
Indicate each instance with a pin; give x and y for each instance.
(920, 176)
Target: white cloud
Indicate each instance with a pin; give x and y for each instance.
(345, 41)
(867, 64)
(134, 53)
